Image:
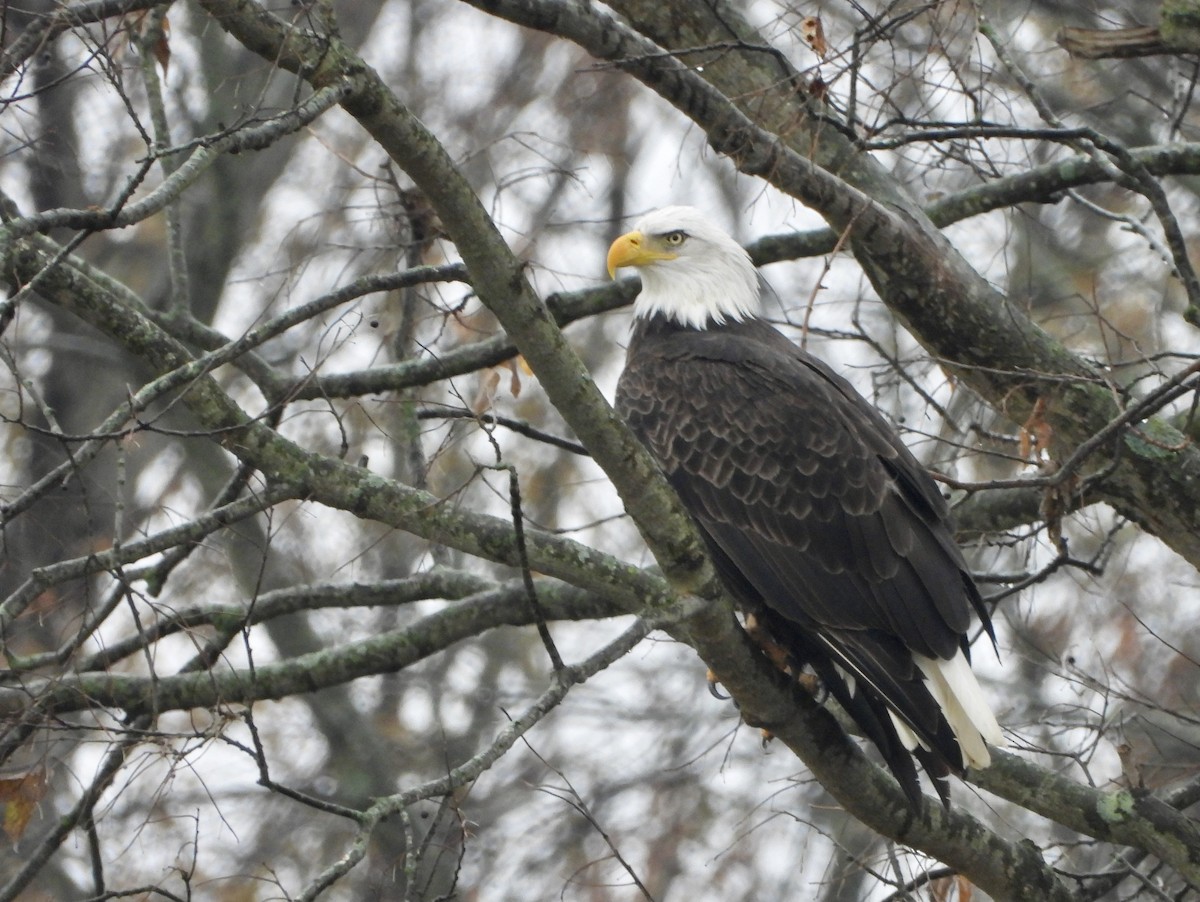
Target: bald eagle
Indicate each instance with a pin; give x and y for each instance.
(818, 519)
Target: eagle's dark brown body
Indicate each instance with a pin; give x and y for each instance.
(817, 517)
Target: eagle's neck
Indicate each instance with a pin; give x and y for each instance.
(706, 291)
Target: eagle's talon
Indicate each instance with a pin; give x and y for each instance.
(714, 687)
(776, 653)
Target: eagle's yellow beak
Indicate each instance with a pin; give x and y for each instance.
(635, 249)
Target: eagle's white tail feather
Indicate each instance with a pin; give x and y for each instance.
(955, 689)
(907, 737)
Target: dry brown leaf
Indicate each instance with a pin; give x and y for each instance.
(954, 886)
(20, 797)
(162, 47)
(1130, 766)
(813, 33)
(1053, 508)
(939, 889)
(488, 383)
(515, 366)
(1036, 433)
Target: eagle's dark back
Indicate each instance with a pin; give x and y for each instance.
(817, 517)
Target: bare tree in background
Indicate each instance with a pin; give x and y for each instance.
(327, 571)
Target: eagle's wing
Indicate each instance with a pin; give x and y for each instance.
(811, 505)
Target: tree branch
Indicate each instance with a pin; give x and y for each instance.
(387, 652)
(1178, 33)
(1120, 816)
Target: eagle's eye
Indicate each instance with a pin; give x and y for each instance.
(674, 239)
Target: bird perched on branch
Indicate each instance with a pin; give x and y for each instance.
(820, 522)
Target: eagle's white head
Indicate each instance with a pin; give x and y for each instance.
(692, 271)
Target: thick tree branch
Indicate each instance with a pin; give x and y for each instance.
(1045, 184)
(1122, 816)
(64, 17)
(388, 652)
(1114, 43)
(231, 617)
(1178, 33)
